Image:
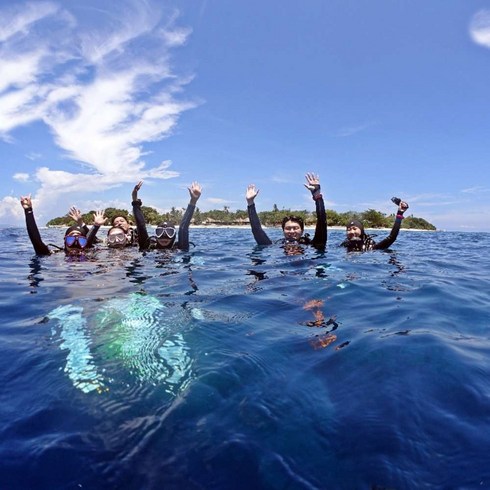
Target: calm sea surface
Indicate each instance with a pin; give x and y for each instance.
(235, 367)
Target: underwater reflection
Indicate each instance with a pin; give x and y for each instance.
(136, 331)
(35, 278)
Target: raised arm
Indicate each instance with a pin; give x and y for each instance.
(75, 214)
(313, 185)
(259, 234)
(195, 191)
(32, 230)
(390, 239)
(143, 238)
(99, 220)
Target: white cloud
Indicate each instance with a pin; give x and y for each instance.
(18, 19)
(351, 130)
(480, 28)
(102, 82)
(217, 200)
(475, 190)
(282, 179)
(10, 209)
(33, 156)
(61, 182)
(21, 177)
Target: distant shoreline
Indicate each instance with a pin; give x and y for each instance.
(217, 227)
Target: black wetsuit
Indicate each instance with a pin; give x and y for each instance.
(146, 242)
(367, 242)
(39, 246)
(318, 241)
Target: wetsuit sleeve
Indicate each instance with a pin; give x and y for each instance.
(143, 238)
(390, 239)
(259, 234)
(91, 235)
(39, 247)
(183, 236)
(320, 238)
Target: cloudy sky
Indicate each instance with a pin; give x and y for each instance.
(380, 98)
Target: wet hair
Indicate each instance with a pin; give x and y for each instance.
(114, 228)
(75, 228)
(295, 219)
(119, 216)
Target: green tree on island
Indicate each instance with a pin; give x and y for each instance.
(371, 217)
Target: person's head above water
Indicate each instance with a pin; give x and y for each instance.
(355, 230)
(116, 237)
(165, 235)
(75, 239)
(293, 227)
(121, 222)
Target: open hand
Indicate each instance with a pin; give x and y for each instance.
(312, 182)
(251, 194)
(99, 218)
(76, 215)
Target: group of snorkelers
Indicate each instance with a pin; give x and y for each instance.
(357, 240)
(80, 237)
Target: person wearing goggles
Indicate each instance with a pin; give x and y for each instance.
(292, 226)
(76, 239)
(116, 238)
(121, 234)
(166, 236)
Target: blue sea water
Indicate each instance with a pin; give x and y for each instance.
(237, 367)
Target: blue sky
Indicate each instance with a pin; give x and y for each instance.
(380, 98)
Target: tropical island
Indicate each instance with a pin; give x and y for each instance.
(224, 217)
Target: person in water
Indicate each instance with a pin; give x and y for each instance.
(292, 226)
(120, 235)
(165, 233)
(358, 241)
(77, 239)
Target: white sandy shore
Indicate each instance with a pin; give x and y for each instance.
(306, 228)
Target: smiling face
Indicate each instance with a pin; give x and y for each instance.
(292, 230)
(354, 233)
(121, 222)
(164, 242)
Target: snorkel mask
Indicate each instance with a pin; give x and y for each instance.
(116, 238)
(75, 242)
(165, 231)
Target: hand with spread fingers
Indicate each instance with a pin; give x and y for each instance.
(312, 182)
(99, 218)
(76, 215)
(251, 194)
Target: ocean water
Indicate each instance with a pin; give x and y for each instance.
(237, 367)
